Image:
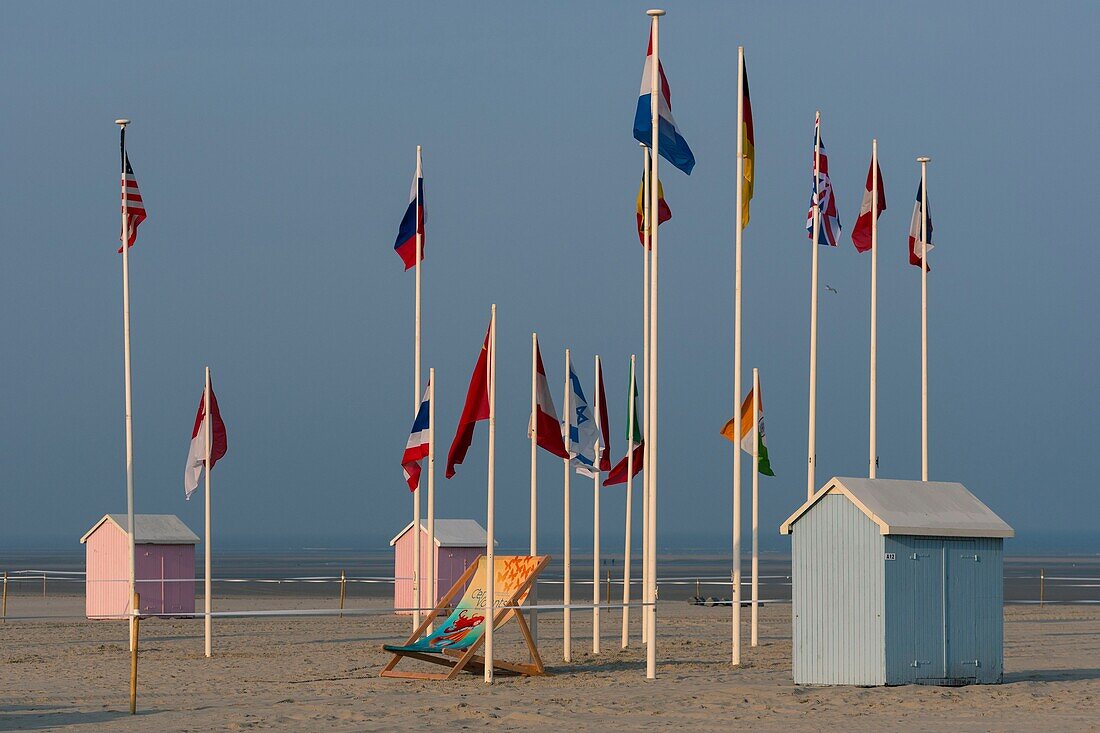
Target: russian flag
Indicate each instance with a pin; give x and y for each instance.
(412, 223)
(672, 145)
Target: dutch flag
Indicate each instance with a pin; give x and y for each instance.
(672, 145)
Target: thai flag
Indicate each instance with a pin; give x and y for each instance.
(413, 222)
(672, 145)
(417, 446)
(822, 193)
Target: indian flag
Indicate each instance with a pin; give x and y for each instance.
(761, 453)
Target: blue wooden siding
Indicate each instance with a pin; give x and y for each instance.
(838, 596)
(944, 617)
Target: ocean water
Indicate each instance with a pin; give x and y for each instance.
(682, 574)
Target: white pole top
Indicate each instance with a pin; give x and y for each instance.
(924, 159)
(655, 12)
(122, 123)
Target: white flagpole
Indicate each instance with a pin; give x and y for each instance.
(533, 618)
(128, 380)
(596, 514)
(490, 557)
(736, 595)
(647, 227)
(567, 649)
(651, 452)
(432, 591)
(754, 637)
(416, 403)
(872, 453)
(811, 448)
(207, 437)
(924, 160)
(629, 497)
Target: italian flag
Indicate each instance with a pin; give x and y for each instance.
(762, 463)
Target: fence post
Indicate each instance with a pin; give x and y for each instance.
(134, 653)
(1042, 584)
(343, 591)
(43, 583)
(4, 612)
(609, 589)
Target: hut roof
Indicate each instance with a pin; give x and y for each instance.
(152, 529)
(930, 508)
(451, 533)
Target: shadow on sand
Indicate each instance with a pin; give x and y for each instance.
(1053, 675)
(38, 717)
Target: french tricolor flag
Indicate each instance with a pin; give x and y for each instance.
(672, 145)
(413, 221)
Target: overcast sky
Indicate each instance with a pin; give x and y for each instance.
(274, 144)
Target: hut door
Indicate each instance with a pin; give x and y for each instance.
(961, 580)
(926, 569)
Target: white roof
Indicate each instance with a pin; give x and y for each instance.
(451, 533)
(931, 508)
(152, 529)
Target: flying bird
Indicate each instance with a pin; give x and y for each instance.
(830, 288)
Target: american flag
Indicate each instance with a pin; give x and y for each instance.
(822, 193)
(132, 205)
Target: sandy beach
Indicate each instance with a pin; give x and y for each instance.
(321, 673)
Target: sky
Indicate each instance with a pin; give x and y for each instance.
(274, 143)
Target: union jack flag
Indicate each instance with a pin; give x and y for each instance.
(822, 194)
(132, 205)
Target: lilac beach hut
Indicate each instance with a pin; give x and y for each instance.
(164, 568)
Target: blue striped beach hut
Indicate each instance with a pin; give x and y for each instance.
(896, 582)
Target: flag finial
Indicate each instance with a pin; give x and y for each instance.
(122, 123)
(655, 12)
(924, 159)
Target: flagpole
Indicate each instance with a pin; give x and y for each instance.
(532, 616)
(647, 240)
(872, 453)
(206, 436)
(432, 594)
(738, 233)
(416, 401)
(567, 651)
(754, 637)
(651, 452)
(490, 522)
(490, 558)
(811, 448)
(596, 514)
(629, 492)
(128, 379)
(924, 160)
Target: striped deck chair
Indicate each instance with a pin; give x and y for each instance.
(455, 642)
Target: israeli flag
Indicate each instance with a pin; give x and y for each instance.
(584, 434)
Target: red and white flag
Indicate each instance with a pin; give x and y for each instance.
(548, 429)
(605, 422)
(475, 409)
(861, 233)
(196, 456)
(132, 205)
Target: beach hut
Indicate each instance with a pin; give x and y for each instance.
(896, 582)
(458, 545)
(164, 568)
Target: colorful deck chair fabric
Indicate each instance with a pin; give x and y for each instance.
(455, 641)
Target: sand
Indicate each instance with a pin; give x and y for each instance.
(321, 673)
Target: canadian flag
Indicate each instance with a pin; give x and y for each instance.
(861, 232)
(545, 422)
(196, 456)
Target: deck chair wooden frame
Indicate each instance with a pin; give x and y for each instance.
(469, 659)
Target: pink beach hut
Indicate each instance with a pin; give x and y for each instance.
(458, 545)
(164, 568)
